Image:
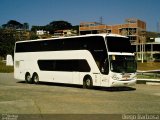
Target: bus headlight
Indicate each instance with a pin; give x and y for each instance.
(114, 77)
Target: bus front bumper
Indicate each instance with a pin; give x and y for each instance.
(120, 83)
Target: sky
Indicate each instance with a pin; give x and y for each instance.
(42, 12)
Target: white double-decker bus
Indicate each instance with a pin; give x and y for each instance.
(90, 60)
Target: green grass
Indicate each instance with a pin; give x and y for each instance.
(5, 69)
(148, 76)
(148, 66)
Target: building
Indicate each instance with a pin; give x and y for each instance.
(69, 32)
(41, 32)
(131, 28)
(148, 51)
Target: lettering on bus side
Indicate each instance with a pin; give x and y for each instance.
(78, 65)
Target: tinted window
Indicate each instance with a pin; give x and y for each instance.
(64, 65)
(37, 46)
(123, 64)
(79, 43)
(119, 44)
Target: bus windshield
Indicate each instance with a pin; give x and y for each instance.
(123, 64)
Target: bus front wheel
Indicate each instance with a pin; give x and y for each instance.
(87, 82)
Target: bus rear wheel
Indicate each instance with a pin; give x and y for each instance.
(28, 78)
(87, 82)
(35, 78)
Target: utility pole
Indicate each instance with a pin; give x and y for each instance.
(143, 39)
(142, 50)
(101, 20)
(158, 26)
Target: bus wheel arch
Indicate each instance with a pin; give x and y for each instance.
(35, 78)
(28, 78)
(87, 82)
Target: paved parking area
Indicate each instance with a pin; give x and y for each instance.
(17, 97)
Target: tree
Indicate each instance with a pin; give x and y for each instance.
(7, 41)
(53, 26)
(12, 24)
(25, 26)
(58, 25)
(33, 36)
(76, 27)
(35, 28)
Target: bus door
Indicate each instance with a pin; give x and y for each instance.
(104, 80)
(97, 79)
(105, 73)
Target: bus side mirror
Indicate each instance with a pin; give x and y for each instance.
(105, 67)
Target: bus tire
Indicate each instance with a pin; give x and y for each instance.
(87, 82)
(28, 78)
(35, 78)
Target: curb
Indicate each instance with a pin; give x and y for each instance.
(148, 81)
(152, 83)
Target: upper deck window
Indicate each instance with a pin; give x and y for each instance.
(119, 44)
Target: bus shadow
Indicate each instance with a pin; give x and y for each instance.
(52, 84)
(60, 85)
(115, 89)
(108, 89)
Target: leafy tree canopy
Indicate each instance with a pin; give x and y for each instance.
(13, 24)
(60, 25)
(35, 28)
(53, 26)
(7, 41)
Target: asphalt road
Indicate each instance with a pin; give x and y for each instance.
(55, 100)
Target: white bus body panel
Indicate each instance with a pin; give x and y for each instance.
(27, 62)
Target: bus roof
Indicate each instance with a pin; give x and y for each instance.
(87, 35)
